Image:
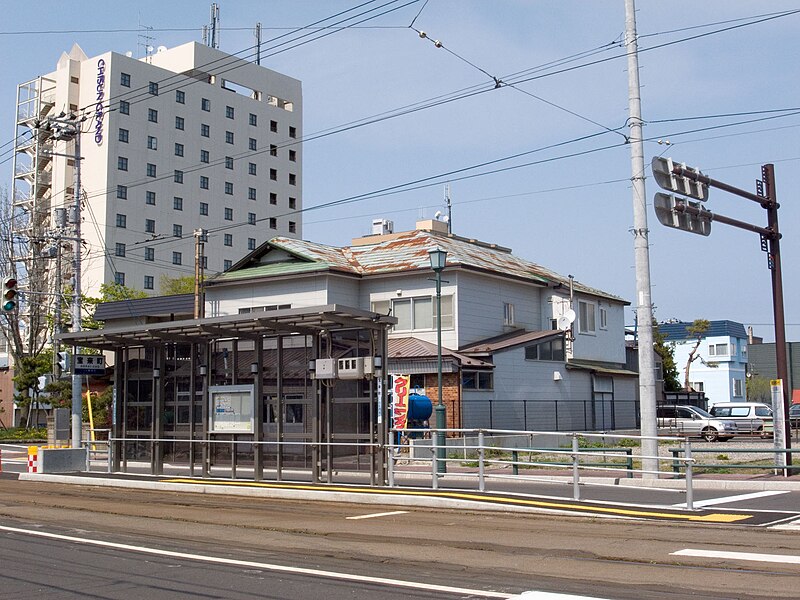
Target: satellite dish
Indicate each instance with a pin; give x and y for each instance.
(570, 314)
(129, 54)
(161, 49)
(563, 323)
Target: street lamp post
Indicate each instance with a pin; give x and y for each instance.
(438, 260)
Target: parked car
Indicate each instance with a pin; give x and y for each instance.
(694, 421)
(794, 415)
(751, 417)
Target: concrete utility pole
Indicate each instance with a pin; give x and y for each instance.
(644, 306)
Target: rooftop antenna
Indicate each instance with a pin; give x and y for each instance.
(205, 35)
(214, 25)
(145, 40)
(258, 43)
(449, 207)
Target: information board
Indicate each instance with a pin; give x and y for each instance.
(232, 409)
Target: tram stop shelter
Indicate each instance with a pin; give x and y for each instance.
(262, 393)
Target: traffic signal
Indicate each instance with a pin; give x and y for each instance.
(63, 362)
(10, 295)
(696, 220)
(666, 179)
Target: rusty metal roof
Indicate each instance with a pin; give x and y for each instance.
(397, 253)
(507, 340)
(409, 347)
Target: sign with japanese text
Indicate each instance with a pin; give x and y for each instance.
(400, 392)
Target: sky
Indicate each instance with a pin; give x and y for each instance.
(539, 163)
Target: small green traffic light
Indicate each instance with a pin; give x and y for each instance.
(10, 295)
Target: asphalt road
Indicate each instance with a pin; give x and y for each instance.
(497, 553)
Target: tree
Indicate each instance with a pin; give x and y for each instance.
(758, 389)
(173, 286)
(669, 368)
(697, 330)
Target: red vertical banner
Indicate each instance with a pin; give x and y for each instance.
(400, 389)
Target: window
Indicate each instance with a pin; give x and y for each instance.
(718, 349)
(603, 318)
(123, 135)
(273, 197)
(508, 313)
(273, 174)
(251, 243)
(180, 123)
(151, 170)
(122, 221)
(253, 119)
(228, 239)
(252, 144)
(549, 350)
(122, 163)
(292, 202)
(152, 115)
(119, 249)
(148, 282)
(177, 230)
(251, 168)
(292, 179)
(177, 203)
(149, 254)
(153, 88)
(205, 130)
(150, 198)
(420, 313)
(273, 126)
(586, 317)
(229, 188)
(293, 155)
(204, 156)
(228, 137)
(152, 143)
(178, 149)
(125, 79)
(226, 264)
(203, 182)
(178, 176)
(204, 209)
(205, 104)
(229, 112)
(149, 226)
(273, 223)
(292, 227)
(292, 132)
(124, 107)
(251, 193)
(738, 388)
(180, 96)
(477, 380)
(228, 214)
(177, 258)
(229, 162)
(122, 192)
(697, 386)
(273, 150)
(251, 218)
(119, 278)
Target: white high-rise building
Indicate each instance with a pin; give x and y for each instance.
(186, 138)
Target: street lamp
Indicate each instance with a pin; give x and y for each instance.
(438, 260)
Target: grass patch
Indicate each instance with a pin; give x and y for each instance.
(18, 434)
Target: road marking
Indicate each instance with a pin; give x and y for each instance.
(775, 558)
(374, 515)
(265, 566)
(738, 498)
(551, 596)
(790, 525)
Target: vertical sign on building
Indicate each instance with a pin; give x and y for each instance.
(778, 420)
(400, 389)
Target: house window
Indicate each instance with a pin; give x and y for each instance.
(152, 115)
(420, 313)
(292, 155)
(251, 168)
(292, 132)
(177, 230)
(229, 188)
(177, 258)
(273, 223)
(203, 156)
(273, 126)
(119, 249)
(603, 318)
(180, 96)
(178, 149)
(292, 227)
(292, 179)
(150, 198)
(251, 193)
(177, 203)
(119, 278)
(205, 130)
(251, 218)
(697, 386)
(292, 202)
(229, 112)
(718, 349)
(180, 123)
(125, 79)
(148, 282)
(252, 144)
(508, 313)
(151, 170)
(205, 104)
(228, 239)
(273, 174)
(226, 264)
(253, 119)
(273, 150)
(122, 163)
(122, 192)
(552, 349)
(229, 162)
(178, 176)
(586, 317)
(251, 243)
(203, 182)
(123, 135)
(204, 209)
(149, 254)
(273, 197)
(152, 143)
(149, 226)
(153, 88)
(122, 221)
(124, 107)
(228, 137)
(228, 214)
(738, 388)
(477, 380)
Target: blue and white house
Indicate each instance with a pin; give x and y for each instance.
(721, 369)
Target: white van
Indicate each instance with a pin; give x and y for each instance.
(751, 417)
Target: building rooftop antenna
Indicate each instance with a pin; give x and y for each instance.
(145, 40)
(449, 205)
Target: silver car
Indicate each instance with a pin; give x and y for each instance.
(694, 421)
